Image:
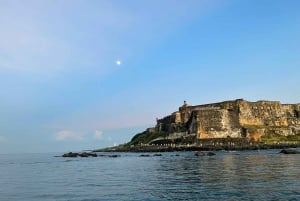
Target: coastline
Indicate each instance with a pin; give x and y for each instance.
(148, 148)
(207, 145)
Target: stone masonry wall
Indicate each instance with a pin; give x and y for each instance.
(233, 119)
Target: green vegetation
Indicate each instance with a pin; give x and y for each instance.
(145, 137)
(182, 128)
(272, 138)
(252, 128)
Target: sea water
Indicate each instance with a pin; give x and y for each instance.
(245, 175)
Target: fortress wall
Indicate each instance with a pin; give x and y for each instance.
(169, 123)
(216, 124)
(229, 118)
(228, 105)
(164, 123)
(185, 113)
(177, 117)
(262, 113)
(212, 119)
(292, 113)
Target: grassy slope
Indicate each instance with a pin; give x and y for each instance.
(145, 137)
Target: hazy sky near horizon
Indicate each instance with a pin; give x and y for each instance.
(61, 88)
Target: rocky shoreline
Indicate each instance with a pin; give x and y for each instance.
(199, 147)
(227, 144)
(88, 154)
(197, 153)
(200, 151)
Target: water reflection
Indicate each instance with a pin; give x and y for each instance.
(251, 175)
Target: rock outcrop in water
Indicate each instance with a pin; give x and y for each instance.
(237, 119)
(83, 154)
(289, 151)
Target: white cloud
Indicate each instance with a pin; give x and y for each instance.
(2, 139)
(98, 135)
(66, 134)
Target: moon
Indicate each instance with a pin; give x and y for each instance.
(118, 62)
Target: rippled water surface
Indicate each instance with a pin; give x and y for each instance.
(248, 175)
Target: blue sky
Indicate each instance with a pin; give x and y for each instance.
(61, 89)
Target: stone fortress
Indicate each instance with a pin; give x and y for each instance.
(232, 119)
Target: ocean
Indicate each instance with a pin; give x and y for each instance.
(243, 175)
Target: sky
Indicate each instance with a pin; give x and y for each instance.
(86, 74)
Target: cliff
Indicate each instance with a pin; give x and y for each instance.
(229, 119)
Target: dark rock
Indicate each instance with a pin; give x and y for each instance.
(289, 151)
(70, 154)
(199, 153)
(157, 154)
(92, 154)
(144, 155)
(211, 154)
(84, 154)
(113, 156)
